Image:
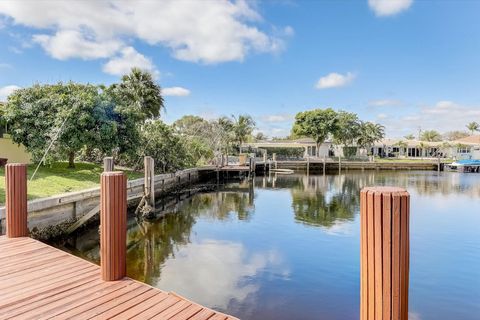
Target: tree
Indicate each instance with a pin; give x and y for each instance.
(403, 146)
(473, 126)
(455, 135)
(243, 126)
(410, 137)
(431, 136)
(317, 124)
(138, 95)
(70, 116)
(167, 148)
(369, 133)
(260, 136)
(347, 128)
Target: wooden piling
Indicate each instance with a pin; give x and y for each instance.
(16, 200)
(384, 216)
(113, 225)
(149, 181)
(108, 164)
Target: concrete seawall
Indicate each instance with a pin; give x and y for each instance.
(68, 207)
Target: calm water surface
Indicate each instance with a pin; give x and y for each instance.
(287, 247)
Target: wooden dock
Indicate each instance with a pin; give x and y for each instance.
(38, 281)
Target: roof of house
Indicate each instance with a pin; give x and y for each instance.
(473, 139)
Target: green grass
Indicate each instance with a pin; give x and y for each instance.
(411, 160)
(57, 179)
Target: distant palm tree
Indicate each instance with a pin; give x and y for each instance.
(369, 133)
(402, 145)
(473, 126)
(430, 135)
(409, 137)
(243, 126)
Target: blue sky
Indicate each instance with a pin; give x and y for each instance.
(407, 64)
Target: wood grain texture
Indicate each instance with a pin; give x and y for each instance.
(113, 225)
(67, 287)
(16, 200)
(384, 253)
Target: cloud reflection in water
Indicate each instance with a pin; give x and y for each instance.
(215, 272)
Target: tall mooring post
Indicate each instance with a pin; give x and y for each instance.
(16, 200)
(149, 181)
(108, 164)
(384, 260)
(113, 225)
(274, 158)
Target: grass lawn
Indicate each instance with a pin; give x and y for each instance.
(58, 179)
(412, 160)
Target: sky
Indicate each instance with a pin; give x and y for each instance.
(408, 64)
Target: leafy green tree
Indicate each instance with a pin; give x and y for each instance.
(70, 115)
(167, 148)
(431, 136)
(473, 126)
(347, 129)
(317, 124)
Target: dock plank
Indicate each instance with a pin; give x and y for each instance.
(38, 281)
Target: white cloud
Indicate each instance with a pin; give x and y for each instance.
(273, 118)
(197, 31)
(334, 80)
(175, 92)
(5, 66)
(443, 116)
(382, 116)
(6, 91)
(389, 7)
(384, 103)
(66, 44)
(128, 59)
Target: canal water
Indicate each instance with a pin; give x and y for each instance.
(287, 246)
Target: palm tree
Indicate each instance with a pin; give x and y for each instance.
(138, 94)
(430, 135)
(243, 126)
(473, 126)
(369, 133)
(402, 145)
(423, 148)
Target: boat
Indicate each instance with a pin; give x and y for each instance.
(471, 165)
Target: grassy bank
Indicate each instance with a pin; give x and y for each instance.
(58, 179)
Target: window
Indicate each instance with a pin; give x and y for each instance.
(463, 150)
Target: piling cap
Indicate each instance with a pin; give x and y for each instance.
(15, 165)
(385, 190)
(112, 173)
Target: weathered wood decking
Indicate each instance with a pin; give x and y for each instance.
(41, 282)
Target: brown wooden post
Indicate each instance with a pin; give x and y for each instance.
(16, 200)
(108, 164)
(149, 181)
(113, 225)
(384, 257)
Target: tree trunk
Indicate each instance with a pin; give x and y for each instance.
(71, 159)
(318, 149)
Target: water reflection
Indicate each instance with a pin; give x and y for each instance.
(216, 273)
(272, 250)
